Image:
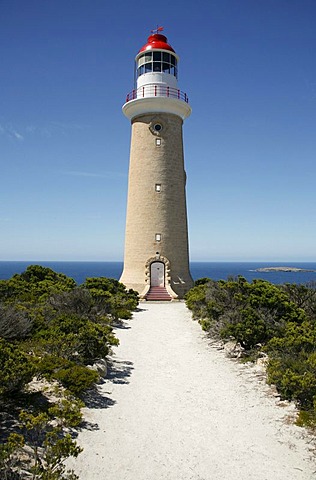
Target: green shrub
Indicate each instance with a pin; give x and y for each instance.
(94, 341)
(54, 343)
(201, 281)
(66, 324)
(279, 319)
(37, 283)
(47, 365)
(294, 381)
(16, 368)
(111, 297)
(292, 365)
(77, 378)
(9, 461)
(48, 444)
(307, 417)
(195, 300)
(252, 313)
(206, 324)
(304, 297)
(66, 412)
(15, 322)
(250, 331)
(57, 328)
(75, 338)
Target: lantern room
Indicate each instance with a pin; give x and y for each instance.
(156, 80)
(156, 63)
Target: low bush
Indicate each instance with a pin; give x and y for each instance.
(76, 378)
(15, 323)
(50, 328)
(37, 283)
(112, 297)
(281, 320)
(16, 368)
(292, 364)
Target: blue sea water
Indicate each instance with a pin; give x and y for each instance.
(79, 271)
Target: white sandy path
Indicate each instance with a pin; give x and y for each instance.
(183, 411)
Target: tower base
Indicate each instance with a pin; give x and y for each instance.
(177, 284)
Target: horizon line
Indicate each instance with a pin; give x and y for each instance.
(191, 261)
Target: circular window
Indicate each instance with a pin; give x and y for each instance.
(157, 127)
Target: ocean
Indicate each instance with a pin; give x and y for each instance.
(79, 271)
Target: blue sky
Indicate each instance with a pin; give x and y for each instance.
(250, 144)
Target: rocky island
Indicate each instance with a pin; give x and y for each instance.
(283, 269)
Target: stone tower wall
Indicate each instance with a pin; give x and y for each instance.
(150, 212)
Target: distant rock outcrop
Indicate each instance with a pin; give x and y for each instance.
(283, 269)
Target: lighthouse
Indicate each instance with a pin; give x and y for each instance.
(156, 259)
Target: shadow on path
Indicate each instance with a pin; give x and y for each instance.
(120, 325)
(96, 399)
(141, 309)
(120, 371)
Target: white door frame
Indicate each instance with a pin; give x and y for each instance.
(157, 274)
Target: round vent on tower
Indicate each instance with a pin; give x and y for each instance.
(156, 126)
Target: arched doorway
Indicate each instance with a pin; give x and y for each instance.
(157, 274)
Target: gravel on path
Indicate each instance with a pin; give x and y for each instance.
(176, 408)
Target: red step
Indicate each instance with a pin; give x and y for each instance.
(158, 293)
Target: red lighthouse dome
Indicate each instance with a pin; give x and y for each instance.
(156, 80)
(157, 41)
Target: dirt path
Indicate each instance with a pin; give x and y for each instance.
(177, 409)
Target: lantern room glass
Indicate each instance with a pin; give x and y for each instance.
(157, 62)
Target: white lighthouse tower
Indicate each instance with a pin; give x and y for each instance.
(156, 261)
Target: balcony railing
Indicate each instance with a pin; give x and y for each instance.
(157, 91)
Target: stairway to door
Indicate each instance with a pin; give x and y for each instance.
(158, 293)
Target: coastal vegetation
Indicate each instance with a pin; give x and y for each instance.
(52, 332)
(276, 321)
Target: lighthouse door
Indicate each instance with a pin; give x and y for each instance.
(157, 274)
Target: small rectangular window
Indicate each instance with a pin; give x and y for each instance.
(157, 56)
(157, 67)
(166, 57)
(166, 67)
(158, 237)
(148, 67)
(158, 187)
(158, 142)
(141, 60)
(140, 70)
